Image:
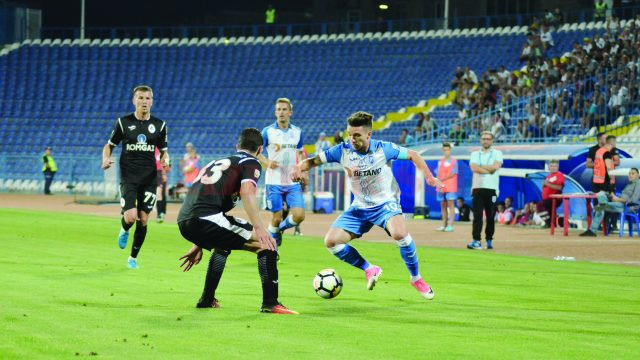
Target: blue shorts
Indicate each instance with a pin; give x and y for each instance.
(446, 196)
(292, 194)
(359, 221)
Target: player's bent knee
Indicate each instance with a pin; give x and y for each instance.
(130, 216)
(298, 218)
(329, 242)
(399, 235)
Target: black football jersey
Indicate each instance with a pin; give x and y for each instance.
(216, 189)
(139, 141)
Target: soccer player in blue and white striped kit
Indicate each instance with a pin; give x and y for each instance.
(376, 198)
(283, 144)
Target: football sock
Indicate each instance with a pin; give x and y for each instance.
(161, 206)
(125, 226)
(138, 238)
(214, 273)
(350, 255)
(287, 223)
(268, 270)
(275, 233)
(409, 255)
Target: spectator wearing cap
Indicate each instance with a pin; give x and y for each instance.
(322, 144)
(49, 169)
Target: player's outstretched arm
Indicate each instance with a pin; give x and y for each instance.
(266, 163)
(106, 156)
(304, 166)
(248, 196)
(418, 161)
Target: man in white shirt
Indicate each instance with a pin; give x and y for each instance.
(283, 144)
(546, 37)
(485, 164)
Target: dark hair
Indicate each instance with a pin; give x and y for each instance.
(461, 198)
(600, 134)
(446, 145)
(143, 88)
(360, 118)
(508, 197)
(610, 138)
(405, 129)
(250, 139)
(636, 169)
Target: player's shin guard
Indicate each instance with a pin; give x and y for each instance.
(138, 238)
(410, 256)
(350, 255)
(268, 270)
(125, 226)
(216, 266)
(287, 223)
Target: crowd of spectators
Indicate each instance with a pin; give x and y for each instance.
(593, 84)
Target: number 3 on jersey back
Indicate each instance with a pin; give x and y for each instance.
(216, 171)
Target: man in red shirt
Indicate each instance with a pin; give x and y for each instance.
(553, 184)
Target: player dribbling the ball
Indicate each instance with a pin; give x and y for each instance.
(376, 198)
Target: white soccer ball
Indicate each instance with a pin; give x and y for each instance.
(327, 283)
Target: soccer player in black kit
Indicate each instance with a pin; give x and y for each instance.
(140, 133)
(203, 221)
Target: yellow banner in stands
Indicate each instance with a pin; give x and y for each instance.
(404, 116)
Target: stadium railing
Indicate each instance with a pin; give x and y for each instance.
(575, 16)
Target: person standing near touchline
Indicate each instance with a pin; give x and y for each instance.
(485, 164)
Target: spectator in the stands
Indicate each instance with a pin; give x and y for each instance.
(558, 17)
(600, 10)
(457, 78)
(406, 139)
(503, 74)
(614, 104)
(525, 53)
(464, 210)
(546, 37)
(470, 75)
(427, 126)
(457, 135)
(497, 129)
(552, 124)
(337, 138)
(613, 25)
(518, 133)
(588, 119)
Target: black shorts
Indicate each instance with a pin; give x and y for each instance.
(140, 196)
(217, 231)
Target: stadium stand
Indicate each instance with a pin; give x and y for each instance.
(72, 91)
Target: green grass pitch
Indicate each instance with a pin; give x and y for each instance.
(66, 292)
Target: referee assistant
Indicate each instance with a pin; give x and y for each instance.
(485, 164)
